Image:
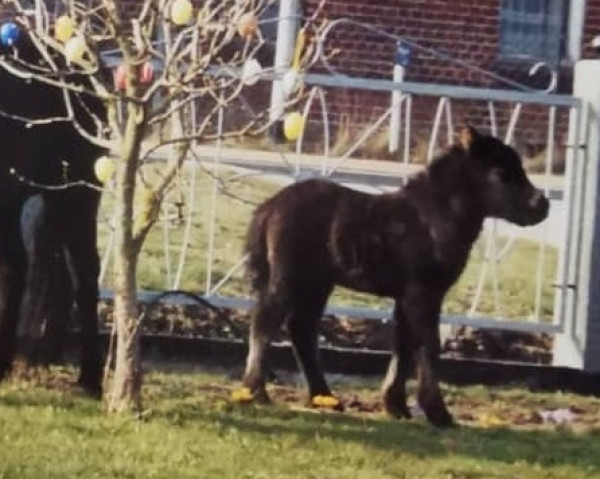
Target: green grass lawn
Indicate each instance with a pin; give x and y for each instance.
(516, 271)
(191, 429)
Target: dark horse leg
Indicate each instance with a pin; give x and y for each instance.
(60, 307)
(267, 318)
(12, 283)
(303, 319)
(48, 297)
(84, 265)
(422, 309)
(400, 368)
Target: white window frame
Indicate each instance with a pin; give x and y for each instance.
(533, 29)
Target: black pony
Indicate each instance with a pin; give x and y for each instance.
(36, 158)
(410, 245)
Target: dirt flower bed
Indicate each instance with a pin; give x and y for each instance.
(192, 320)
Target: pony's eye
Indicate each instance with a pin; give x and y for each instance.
(512, 174)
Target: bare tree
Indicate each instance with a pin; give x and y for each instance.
(171, 55)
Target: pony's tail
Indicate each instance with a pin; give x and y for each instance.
(257, 265)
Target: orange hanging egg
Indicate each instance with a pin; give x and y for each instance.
(247, 26)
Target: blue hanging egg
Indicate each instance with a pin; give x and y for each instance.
(9, 32)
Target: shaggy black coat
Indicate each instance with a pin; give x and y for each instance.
(410, 245)
(48, 154)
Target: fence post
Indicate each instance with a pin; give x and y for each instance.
(284, 49)
(401, 61)
(579, 344)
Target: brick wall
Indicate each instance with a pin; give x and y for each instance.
(591, 27)
(466, 30)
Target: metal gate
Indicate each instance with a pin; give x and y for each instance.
(215, 175)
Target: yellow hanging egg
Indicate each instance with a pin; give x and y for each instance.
(293, 125)
(181, 12)
(75, 49)
(64, 27)
(104, 168)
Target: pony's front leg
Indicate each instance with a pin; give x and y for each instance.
(399, 369)
(422, 307)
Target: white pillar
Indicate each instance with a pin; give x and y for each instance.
(579, 345)
(286, 39)
(401, 61)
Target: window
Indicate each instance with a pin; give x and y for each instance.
(533, 29)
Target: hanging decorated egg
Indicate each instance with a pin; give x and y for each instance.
(9, 32)
(293, 125)
(64, 27)
(104, 168)
(251, 71)
(146, 73)
(75, 49)
(247, 26)
(120, 77)
(291, 81)
(181, 12)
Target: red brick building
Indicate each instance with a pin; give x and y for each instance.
(505, 37)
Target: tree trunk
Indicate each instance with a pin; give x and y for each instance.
(125, 387)
(125, 391)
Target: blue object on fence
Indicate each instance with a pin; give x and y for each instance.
(403, 54)
(9, 32)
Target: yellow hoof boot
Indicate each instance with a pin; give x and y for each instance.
(242, 395)
(328, 402)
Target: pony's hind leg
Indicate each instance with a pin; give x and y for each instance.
(267, 318)
(303, 328)
(12, 284)
(84, 268)
(10, 292)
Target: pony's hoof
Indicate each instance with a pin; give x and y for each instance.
(245, 395)
(395, 406)
(441, 418)
(398, 411)
(327, 402)
(92, 390)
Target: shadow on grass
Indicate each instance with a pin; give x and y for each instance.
(544, 447)
(188, 404)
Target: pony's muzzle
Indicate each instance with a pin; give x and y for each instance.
(538, 206)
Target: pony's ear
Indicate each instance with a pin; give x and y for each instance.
(467, 136)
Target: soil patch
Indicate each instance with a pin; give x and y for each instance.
(206, 321)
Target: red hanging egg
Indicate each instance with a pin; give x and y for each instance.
(120, 77)
(146, 73)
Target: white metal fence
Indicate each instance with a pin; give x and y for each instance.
(546, 256)
(551, 243)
